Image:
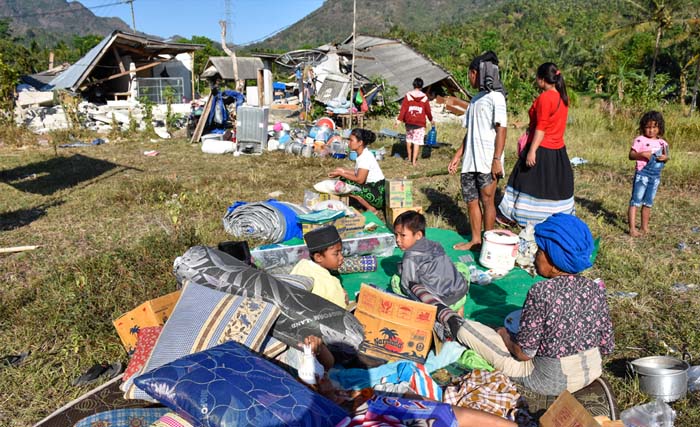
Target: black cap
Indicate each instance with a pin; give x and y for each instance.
(321, 238)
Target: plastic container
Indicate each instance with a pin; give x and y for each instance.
(309, 368)
(353, 155)
(431, 137)
(499, 250)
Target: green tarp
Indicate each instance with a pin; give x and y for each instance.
(489, 304)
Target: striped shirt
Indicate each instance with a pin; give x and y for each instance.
(486, 110)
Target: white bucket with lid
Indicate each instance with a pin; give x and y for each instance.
(499, 250)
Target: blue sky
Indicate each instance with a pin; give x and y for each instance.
(251, 19)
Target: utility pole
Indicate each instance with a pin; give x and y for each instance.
(133, 19)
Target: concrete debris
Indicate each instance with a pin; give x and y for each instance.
(98, 118)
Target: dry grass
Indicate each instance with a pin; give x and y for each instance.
(110, 222)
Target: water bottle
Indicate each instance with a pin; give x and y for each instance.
(431, 138)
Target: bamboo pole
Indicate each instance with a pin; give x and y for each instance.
(352, 66)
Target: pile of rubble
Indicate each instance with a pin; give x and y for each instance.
(99, 118)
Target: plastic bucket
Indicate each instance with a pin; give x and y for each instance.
(662, 377)
(499, 250)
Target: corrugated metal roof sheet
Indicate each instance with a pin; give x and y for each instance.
(74, 76)
(396, 62)
(247, 67)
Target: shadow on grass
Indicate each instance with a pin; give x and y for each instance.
(443, 206)
(596, 209)
(21, 217)
(49, 176)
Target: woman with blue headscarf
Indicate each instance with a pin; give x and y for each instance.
(565, 324)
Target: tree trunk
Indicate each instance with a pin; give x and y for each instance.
(694, 102)
(684, 85)
(232, 54)
(659, 31)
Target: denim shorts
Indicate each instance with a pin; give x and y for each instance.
(472, 182)
(644, 190)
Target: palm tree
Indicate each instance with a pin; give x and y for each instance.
(656, 15)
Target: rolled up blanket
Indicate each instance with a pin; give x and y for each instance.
(271, 220)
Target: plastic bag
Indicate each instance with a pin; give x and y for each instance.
(654, 414)
(335, 186)
(694, 378)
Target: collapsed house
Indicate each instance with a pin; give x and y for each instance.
(111, 79)
(125, 66)
(392, 60)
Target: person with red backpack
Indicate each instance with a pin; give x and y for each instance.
(415, 108)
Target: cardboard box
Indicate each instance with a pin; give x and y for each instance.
(325, 196)
(399, 193)
(566, 411)
(151, 313)
(392, 213)
(352, 224)
(395, 328)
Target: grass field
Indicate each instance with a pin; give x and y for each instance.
(110, 221)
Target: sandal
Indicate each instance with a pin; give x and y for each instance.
(97, 371)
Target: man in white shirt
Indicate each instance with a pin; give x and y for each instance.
(481, 152)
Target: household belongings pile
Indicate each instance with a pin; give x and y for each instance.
(230, 348)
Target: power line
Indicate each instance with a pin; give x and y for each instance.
(64, 11)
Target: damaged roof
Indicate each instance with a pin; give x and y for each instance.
(138, 47)
(223, 66)
(396, 62)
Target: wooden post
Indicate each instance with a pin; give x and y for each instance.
(51, 56)
(261, 88)
(193, 92)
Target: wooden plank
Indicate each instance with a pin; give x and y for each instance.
(202, 120)
(122, 74)
(17, 249)
(119, 59)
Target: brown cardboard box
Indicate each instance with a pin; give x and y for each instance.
(392, 213)
(151, 313)
(325, 196)
(352, 224)
(399, 193)
(566, 411)
(395, 328)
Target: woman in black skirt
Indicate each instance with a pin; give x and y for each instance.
(542, 181)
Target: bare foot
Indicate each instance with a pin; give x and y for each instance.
(466, 246)
(644, 230)
(634, 232)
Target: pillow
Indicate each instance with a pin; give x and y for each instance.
(123, 417)
(146, 340)
(171, 419)
(203, 318)
(229, 385)
(272, 347)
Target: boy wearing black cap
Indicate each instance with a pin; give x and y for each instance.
(326, 252)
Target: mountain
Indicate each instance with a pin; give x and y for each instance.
(332, 22)
(55, 20)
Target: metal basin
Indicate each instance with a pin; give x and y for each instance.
(662, 377)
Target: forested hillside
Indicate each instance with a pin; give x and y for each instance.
(603, 47)
(53, 20)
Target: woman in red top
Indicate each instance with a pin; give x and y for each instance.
(542, 181)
